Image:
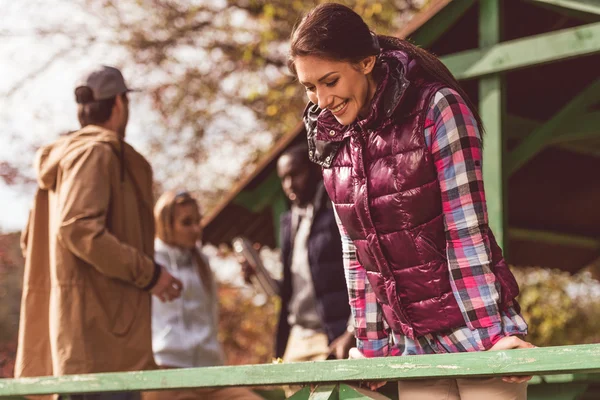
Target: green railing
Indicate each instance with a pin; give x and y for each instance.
(563, 372)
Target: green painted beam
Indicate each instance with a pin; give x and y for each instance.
(581, 148)
(302, 394)
(583, 9)
(577, 128)
(279, 206)
(517, 127)
(527, 52)
(349, 393)
(261, 196)
(543, 360)
(532, 235)
(542, 136)
(581, 127)
(325, 392)
(491, 109)
(426, 35)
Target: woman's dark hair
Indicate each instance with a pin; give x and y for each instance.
(93, 112)
(335, 32)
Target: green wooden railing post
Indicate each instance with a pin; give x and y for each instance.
(491, 108)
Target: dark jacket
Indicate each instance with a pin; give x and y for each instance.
(327, 270)
(382, 179)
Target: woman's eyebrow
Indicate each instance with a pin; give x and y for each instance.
(321, 79)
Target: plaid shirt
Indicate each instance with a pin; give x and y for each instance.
(454, 140)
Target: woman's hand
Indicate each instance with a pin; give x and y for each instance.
(509, 343)
(355, 353)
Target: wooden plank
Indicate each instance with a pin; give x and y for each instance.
(279, 206)
(576, 128)
(531, 235)
(440, 23)
(572, 8)
(302, 394)
(349, 393)
(261, 196)
(581, 148)
(541, 137)
(491, 109)
(548, 360)
(527, 52)
(325, 392)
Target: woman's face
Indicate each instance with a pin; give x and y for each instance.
(343, 88)
(186, 225)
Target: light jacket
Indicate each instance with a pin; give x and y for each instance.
(89, 247)
(184, 330)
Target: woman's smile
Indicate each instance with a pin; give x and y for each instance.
(339, 109)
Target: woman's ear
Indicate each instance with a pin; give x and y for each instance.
(367, 64)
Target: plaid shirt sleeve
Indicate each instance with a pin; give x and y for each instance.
(370, 328)
(456, 147)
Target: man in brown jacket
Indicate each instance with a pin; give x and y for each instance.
(89, 247)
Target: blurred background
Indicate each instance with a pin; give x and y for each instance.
(217, 105)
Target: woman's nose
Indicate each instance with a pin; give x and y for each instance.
(323, 99)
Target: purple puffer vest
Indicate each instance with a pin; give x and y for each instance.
(382, 180)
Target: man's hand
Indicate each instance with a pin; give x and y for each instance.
(167, 287)
(248, 270)
(508, 343)
(340, 347)
(355, 353)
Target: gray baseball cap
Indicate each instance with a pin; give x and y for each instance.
(104, 82)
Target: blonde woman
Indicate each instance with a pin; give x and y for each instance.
(184, 331)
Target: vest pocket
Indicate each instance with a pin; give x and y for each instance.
(428, 245)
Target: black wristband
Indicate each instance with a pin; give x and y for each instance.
(155, 276)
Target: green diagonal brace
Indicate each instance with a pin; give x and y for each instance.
(325, 392)
(261, 196)
(302, 394)
(349, 393)
(568, 6)
(520, 53)
(542, 136)
(579, 127)
(426, 35)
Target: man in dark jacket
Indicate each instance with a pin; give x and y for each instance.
(313, 322)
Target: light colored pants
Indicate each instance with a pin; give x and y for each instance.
(306, 348)
(461, 389)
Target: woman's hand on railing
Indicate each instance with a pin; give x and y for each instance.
(355, 353)
(508, 343)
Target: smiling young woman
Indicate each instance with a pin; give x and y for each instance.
(400, 146)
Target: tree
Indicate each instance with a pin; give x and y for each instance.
(217, 71)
